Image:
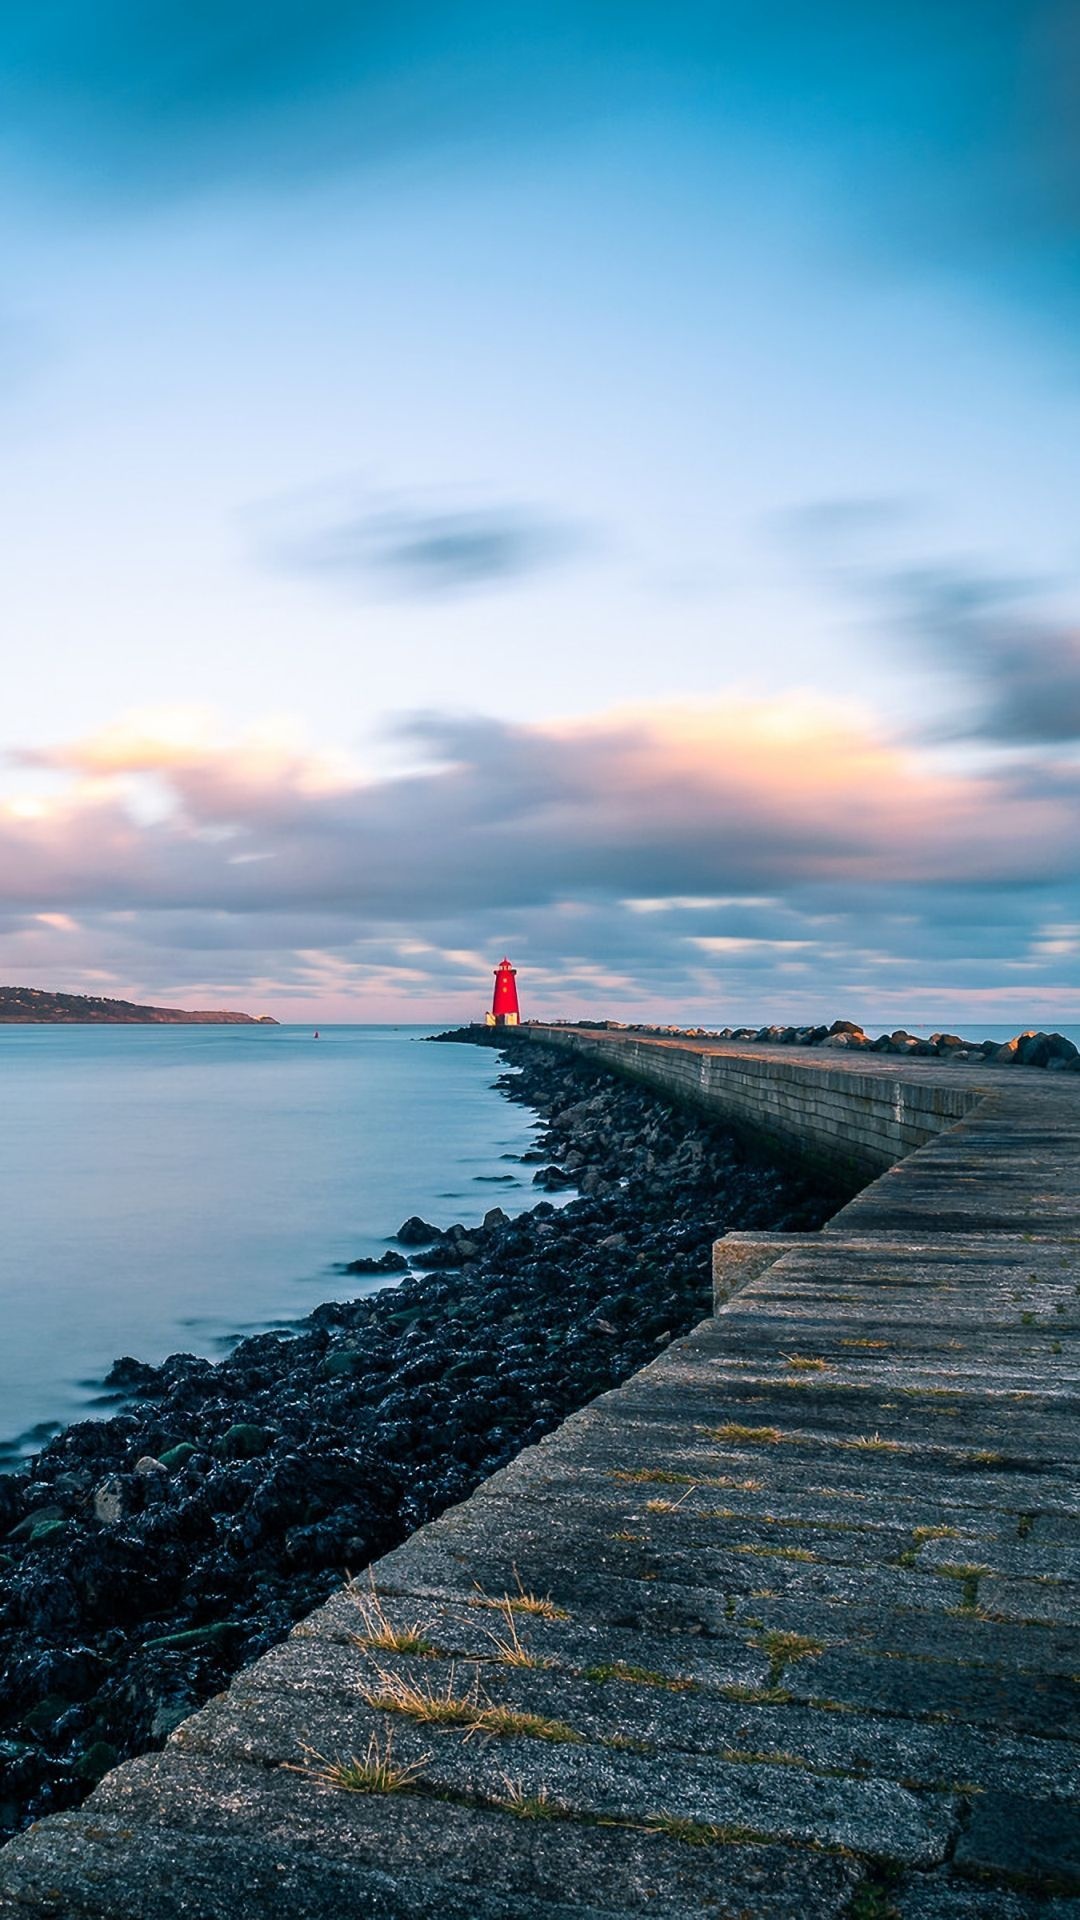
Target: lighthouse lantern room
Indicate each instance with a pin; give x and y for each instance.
(504, 1007)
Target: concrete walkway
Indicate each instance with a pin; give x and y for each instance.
(784, 1627)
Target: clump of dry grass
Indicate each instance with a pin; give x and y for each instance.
(529, 1806)
(784, 1649)
(919, 1537)
(641, 1677)
(802, 1363)
(510, 1721)
(733, 1434)
(542, 1605)
(376, 1772)
(778, 1553)
(873, 1443)
(510, 1649)
(698, 1833)
(670, 1506)
(472, 1710)
(757, 1696)
(423, 1701)
(378, 1631)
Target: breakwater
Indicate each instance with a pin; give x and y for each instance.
(849, 1121)
(784, 1624)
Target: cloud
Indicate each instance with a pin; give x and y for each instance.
(1020, 672)
(1015, 663)
(428, 551)
(781, 852)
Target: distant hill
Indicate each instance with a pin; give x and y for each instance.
(25, 1006)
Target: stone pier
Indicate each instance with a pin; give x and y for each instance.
(783, 1629)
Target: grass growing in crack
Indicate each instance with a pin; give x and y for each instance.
(784, 1649)
(376, 1772)
(874, 1443)
(379, 1632)
(757, 1696)
(778, 1553)
(641, 1677)
(733, 1434)
(541, 1605)
(510, 1650)
(919, 1537)
(423, 1702)
(969, 1578)
(875, 1346)
(663, 1477)
(473, 1710)
(511, 1722)
(699, 1833)
(802, 1363)
(669, 1506)
(529, 1806)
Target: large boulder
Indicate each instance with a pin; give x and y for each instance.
(1046, 1050)
(415, 1232)
(851, 1037)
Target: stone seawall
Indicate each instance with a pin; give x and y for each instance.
(849, 1121)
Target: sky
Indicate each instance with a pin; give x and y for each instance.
(594, 482)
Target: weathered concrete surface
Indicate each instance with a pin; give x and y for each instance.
(812, 1644)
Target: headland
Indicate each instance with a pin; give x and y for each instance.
(32, 1006)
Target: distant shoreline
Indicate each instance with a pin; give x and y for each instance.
(33, 1007)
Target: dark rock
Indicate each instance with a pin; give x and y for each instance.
(95, 1762)
(552, 1178)
(415, 1232)
(245, 1440)
(130, 1376)
(1046, 1050)
(389, 1262)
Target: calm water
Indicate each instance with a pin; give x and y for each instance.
(168, 1188)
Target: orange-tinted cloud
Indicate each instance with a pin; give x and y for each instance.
(786, 840)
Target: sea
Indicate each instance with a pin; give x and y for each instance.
(171, 1189)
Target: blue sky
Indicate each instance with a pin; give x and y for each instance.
(466, 476)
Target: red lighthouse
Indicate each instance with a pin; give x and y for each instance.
(504, 1007)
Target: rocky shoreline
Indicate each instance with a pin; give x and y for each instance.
(144, 1558)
